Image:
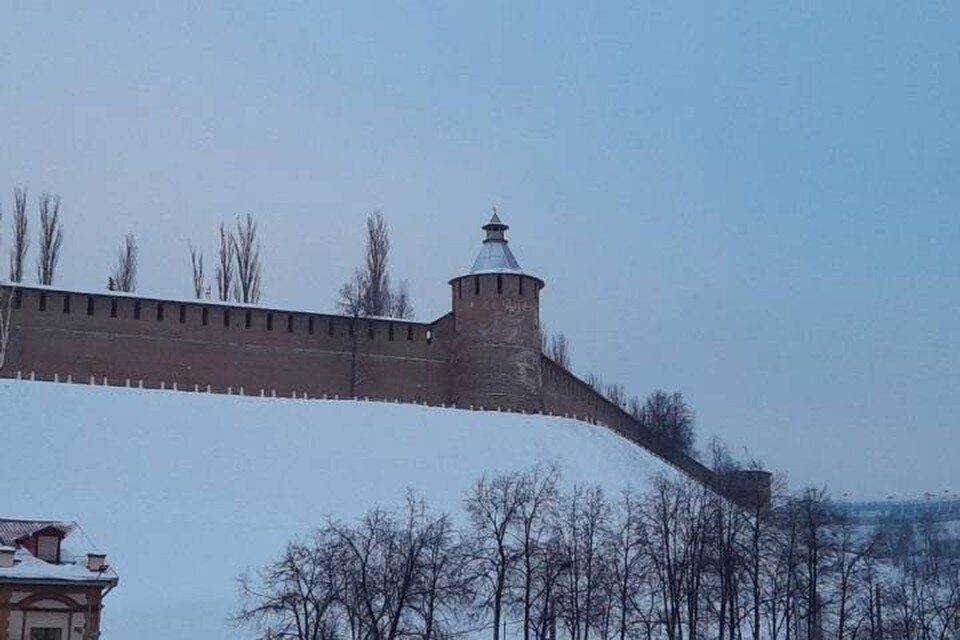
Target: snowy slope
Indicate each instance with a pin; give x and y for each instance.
(185, 491)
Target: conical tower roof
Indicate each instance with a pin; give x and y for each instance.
(495, 254)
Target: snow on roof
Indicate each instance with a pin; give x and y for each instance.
(186, 491)
(73, 554)
(12, 530)
(495, 255)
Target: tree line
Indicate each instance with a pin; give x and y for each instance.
(238, 270)
(539, 561)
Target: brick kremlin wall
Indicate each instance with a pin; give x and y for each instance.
(223, 346)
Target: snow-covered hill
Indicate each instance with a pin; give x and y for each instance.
(185, 491)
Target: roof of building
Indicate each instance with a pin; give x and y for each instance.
(495, 255)
(72, 567)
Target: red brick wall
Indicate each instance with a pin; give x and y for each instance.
(132, 338)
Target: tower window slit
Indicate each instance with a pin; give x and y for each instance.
(499, 284)
(289, 323)
(269, 322)
(89, 305)
(205, 316)
(159, 312)
(43, 302)
(136, 310)
(247, 319)
(183, 314)
(390, 333)
(329, 327)
(310, 325)
(459, 289)
(370, 330)
(409, 332)
(521, 285)
(66, 304)
(226, 317)
(476, 285)
(113, 308)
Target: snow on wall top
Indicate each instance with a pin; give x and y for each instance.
(185, 491)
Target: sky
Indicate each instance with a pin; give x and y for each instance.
(756, 204)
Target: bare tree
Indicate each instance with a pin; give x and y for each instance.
(401, 307)
(386, 555)
(297, 596)
(225, 264)
(559, 350)
(247, 251)
(21, 241)
(494, 507)
(535, 523)
(124, 275)
(51, 237)
(584, 515)
(377, 295)
(199, 278)
(369, 293)
(669, 415)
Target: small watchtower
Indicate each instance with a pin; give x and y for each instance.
(496, 348)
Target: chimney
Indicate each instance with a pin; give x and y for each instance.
(96, 561)
(6, 557)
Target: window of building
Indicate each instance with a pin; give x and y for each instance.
(409, 332)
(136, 310)
(350, 329)
(247, 319)
(89, 305)
(226, 317)
(499, 284)
(390, 332)
(205, 316)
(66, 304)
(159, 312)
(459, 288)
(310, 325)
(289, 323)
(329, 327)
(183, 314)
(48, 548)
(429, 336)
(521, 285)
(45, 633)
(476, 285)
(18, 299)
(370, 330)
(43, 302)
(113, 308)
(269, 322)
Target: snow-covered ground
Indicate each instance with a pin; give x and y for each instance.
(185, 491)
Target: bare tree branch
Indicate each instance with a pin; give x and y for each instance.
(21, 240)
(247, 251)
(51, 237)
(225, 265)
(124, 275)
(199, 279)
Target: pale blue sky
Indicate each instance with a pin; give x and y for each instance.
(757, 204)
